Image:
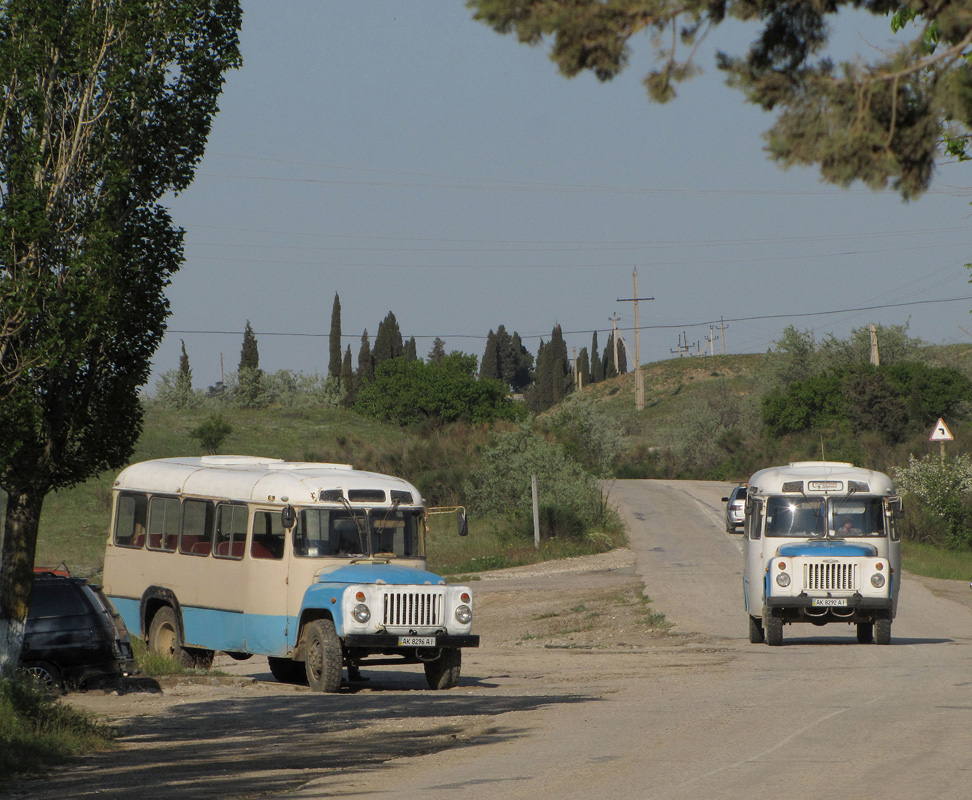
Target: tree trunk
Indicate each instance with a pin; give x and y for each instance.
(17, 569)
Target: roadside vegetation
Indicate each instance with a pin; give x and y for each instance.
(37, 731)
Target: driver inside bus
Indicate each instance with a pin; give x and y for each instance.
(847, 528)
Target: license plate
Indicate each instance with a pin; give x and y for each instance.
(416, 641)
(829, 602)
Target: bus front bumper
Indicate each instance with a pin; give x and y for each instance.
(394, 641)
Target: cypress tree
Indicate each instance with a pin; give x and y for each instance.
(584, 366)
(334, 362)
(597, 366)
(249, 355)
(388, 341)
(347, 378)
(489, 364)
(366, 364)
(609, 368)
(411, 353)
(523, 376)
(183, 385)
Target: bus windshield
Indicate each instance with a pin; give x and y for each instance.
(328, 533)
(838, 517)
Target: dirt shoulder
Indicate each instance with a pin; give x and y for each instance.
(562, 632)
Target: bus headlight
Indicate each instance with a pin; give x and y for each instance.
(782, 579)
(361, 613)
(877, 580)
(463, 614)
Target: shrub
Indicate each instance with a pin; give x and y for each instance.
(944, 490)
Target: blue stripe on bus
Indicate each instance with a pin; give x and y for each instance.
(380, 573)
(828, 549)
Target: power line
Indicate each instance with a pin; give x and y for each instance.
(720, 321)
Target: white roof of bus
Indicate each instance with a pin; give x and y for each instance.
(771, 480)
(254, 478)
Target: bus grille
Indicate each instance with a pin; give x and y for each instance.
(413, 608)
(828, 576)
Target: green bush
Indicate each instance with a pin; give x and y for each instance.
(37, 731)
(942, 491)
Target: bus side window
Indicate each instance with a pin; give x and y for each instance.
(197, 527)
(163, 523)
(130, 520)
(230, 530)
(754, 520)
(268, 535)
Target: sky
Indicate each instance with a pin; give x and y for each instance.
(410, 159)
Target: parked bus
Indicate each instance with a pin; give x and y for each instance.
(316, 566)
(821, 545)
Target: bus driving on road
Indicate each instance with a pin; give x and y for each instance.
(821, 546)
(319, 567)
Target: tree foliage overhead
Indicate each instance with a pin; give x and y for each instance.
(883, 118)
(106, 108)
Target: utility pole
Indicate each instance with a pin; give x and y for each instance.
(722, 334)
(578, 381)
(639, 378)
(613, 319)
(712, 340)
(875, 354)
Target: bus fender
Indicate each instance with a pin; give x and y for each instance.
(153, 599)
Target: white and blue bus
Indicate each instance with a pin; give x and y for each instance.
(821, 545)
(319, 567)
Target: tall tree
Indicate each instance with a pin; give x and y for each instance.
(388, 340)
(437, 353)
(489, 367)
(411, 350)
(106, 108)
(366, 364)
(884, 116)
(249, 376)
(249, 352)
(584, 366)
(554, 378)
(523, 375)
(597, 366)
(334, 361)
(347, 379)
(183, 386)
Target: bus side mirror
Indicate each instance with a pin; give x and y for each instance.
(288, 517)
(463, 522)
(895, 506)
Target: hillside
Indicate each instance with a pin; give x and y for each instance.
(690, 404)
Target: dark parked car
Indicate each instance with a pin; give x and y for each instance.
(73, 633)
(735, 508)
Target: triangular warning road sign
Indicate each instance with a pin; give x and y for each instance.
(941, 432)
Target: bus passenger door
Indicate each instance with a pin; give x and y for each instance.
(266, 618)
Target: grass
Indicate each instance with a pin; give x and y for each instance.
(933, 562)
(37, 731)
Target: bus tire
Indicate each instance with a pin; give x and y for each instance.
(164, 637)
(323, 657)
(443, 673)
(882, 630)
(286, 670)
(865, 632)
(756, 635)
(774, 630)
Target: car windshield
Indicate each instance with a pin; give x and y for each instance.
(836, 517)
(328, 533)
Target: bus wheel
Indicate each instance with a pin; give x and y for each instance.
(164, 637)
(323, 652)
(774, 630)
(865, 632)
(882, 630)
(286, 670)
(756, 634)
(443, 673)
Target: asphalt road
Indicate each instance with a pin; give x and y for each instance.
(820, 717)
